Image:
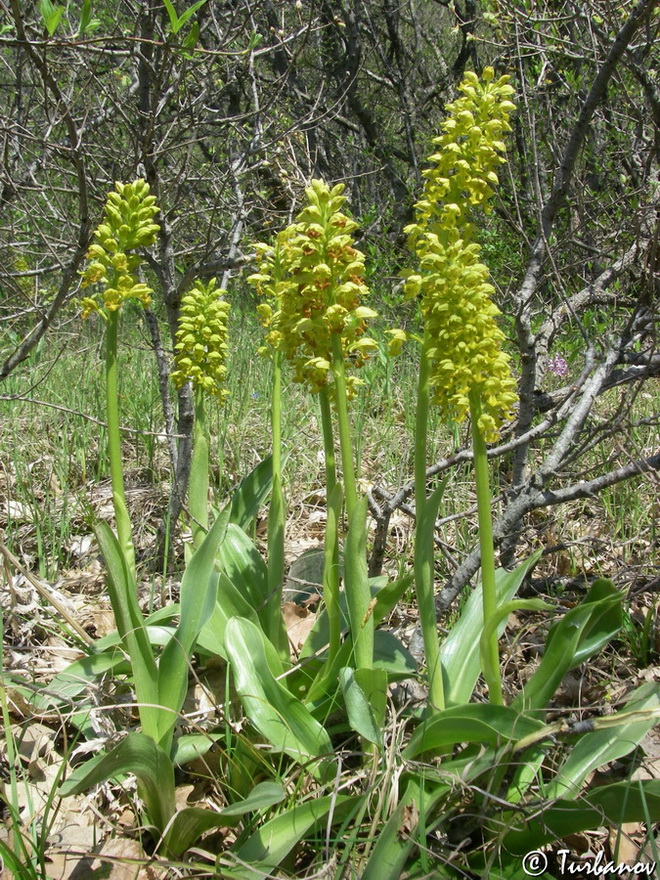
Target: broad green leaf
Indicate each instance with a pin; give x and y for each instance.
(190, 746)
(87, 23)
(603, 624)
(197, 601)
(191, 38)
(229, 603)
(603, 746)
(140, 755)
(391, 656)
(361, 715)
(51, 15)
(500, 616)
(176, 21)
(189, 824)
(130, 624)
(183, 18)
(78, 676)
(384, 597)
(267, 847)
(459, 653)
(574, 638)
(388, 595)
(609, 805)
(242, 563)
(251, 493)
(274, 711)
(473, 722)
(356, 587)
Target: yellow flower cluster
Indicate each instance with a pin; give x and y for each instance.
(312, 281)
(128, 223)
(201, 340)
(461, 338)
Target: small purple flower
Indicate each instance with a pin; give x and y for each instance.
(558, 366)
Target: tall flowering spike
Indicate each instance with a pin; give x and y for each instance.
(128, 224)
(312, 281)
(470, 147)
(201, 340)
(461, 338)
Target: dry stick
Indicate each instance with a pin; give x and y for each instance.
(45, 593)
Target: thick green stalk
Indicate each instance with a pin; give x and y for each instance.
(356, 580)
(424, 548)
(333, 506)
(328, 442)
(198, 489)
(124, 530)
(491, 654)
(276, 522)
(343, 424)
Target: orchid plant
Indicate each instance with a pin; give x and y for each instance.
(312, 289)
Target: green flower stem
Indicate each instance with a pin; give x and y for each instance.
(124, 530)
(343, 424)
(424, 551)
(333, 504)
(276, 522)
(328, 441)
(356, 580)
(198, 491)
(491, 654)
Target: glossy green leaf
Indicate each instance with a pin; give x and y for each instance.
(130, 625)
(140, 755)
(603, 746)
(267, 847)
(189, 824)
(229, 603)
(459, 653)
(251, 493)
(603, 623)
(391, 656)
(361, 716)
(51, 15)
(574, 638)
(473, 722)
(242, 563)
(176, 21)
(388, 595)
(191, 746)
(197, 601)
(609, 805)
(275, 712)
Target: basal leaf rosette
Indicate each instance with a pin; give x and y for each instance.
(312, 281)
(201, 340)
(128, 224)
